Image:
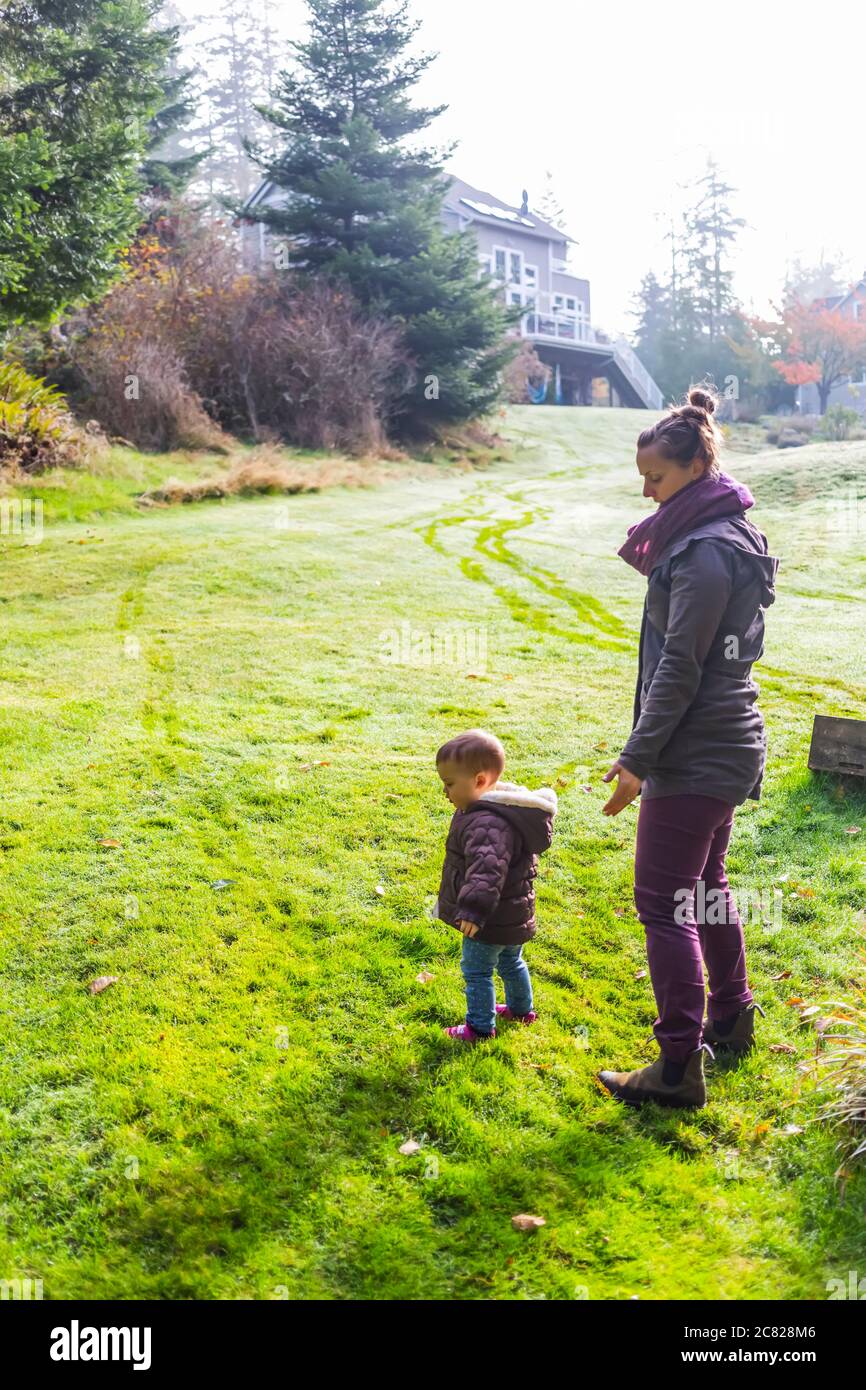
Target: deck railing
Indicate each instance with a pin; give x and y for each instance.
(632, 367)
(553, 323)
(544, 320)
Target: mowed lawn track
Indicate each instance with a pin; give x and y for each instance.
(206, 687)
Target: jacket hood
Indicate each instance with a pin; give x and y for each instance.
(745, 537)
(530, 812)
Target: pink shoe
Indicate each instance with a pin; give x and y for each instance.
(504, 1012)
(466, 1033)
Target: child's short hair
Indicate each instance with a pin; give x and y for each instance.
(476, 750)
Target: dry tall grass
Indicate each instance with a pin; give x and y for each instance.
(266, 469)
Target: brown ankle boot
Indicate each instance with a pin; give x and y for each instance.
(741, 1037)
(648, 1083)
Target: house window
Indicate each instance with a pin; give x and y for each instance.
(486, 264)
(499, 262)
(565, 304)
(515, 268)
(530, 276)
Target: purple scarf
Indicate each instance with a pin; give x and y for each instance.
(706, 499)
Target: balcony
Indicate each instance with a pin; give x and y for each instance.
(548, 323)
(553, 324)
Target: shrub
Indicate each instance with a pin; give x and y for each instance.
(141, 394)
(839, 422)
(36, 428)
(263, 355)
(319, 372)
(523, 373)
(791, 439)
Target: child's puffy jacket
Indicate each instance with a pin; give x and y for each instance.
(491, 859)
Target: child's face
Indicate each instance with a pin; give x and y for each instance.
(461, 786)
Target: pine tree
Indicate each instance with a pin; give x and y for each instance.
(169, 164)
(243, 60)
(712, 229)
(361, 205)
(79, 82)
(691, 326)
(548, 206)
(653, 313)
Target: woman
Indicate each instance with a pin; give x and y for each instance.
(697, 748)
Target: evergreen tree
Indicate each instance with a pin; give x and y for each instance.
(362, 205)
(244, 57)
(79, 82)
(170, 164)
(691, 327)
(653, 313)
(548, 205)
(712, 229)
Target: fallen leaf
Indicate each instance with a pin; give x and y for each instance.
(793, 1129)
(783, 1047)
(782, 975)
(810, 1012)
(410, 1147)
(794, 1001)
(525, 1222)
(586, 787)
(852, 830)
(640, 975)
(424, 977)
(320, 762)
(380, 889)
(109, 844)
(220, 883)
(103, 981)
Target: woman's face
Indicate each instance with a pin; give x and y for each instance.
(663, 477)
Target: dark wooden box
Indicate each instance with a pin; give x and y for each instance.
(838, 745)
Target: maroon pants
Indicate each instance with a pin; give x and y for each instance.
(681, 841)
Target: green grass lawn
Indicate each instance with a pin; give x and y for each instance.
(205, 686)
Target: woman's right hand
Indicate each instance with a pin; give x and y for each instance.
(627, 788)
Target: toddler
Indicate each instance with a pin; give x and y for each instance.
(487, 891)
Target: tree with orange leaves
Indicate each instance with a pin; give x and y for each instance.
(817, 345)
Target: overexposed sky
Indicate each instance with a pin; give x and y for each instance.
(623, 102)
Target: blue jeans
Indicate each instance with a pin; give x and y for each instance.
(478, 962)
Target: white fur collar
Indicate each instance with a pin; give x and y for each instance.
(513, 794)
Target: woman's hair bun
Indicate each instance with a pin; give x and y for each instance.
(702, 398)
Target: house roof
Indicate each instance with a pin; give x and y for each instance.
(835, 301)
(463, 199)
(467, 201)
